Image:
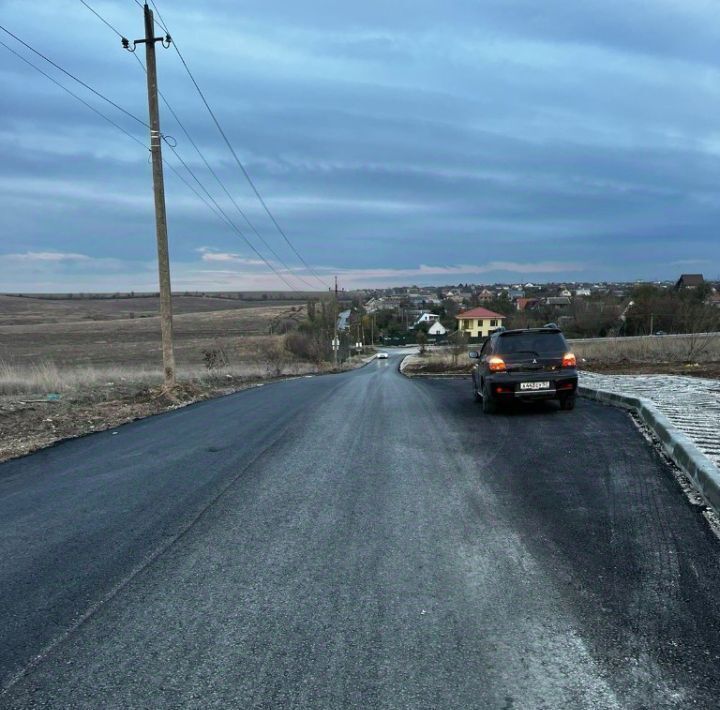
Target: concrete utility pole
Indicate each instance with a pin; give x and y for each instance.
(166, 323)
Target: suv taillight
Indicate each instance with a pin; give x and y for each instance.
(496, 364)
(569, 360)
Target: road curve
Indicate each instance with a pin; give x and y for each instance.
(358, 540)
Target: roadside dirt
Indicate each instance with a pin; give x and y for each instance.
(29, 423)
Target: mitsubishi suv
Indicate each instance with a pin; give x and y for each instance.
(528, 364)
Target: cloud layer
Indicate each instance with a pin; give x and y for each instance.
(419, 141)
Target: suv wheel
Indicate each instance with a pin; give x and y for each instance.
(489, 405)
(567, 402)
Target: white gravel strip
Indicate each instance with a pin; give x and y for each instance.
(692, 404)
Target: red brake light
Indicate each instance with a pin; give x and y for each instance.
(496, 364)
(569, 360)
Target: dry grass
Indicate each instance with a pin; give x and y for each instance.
(665, 349)
(40, 379)
(660, 352)
(439, 360)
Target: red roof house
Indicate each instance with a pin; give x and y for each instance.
(479, 322)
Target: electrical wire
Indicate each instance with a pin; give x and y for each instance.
(92, 108)
(199, 152)
(74, 78)
(103, 20)
(102, 115)
(224, 187)
(232, 224)
(220, 211)
(74, 95)
(207, 164)
(217, 210)
(234, 154)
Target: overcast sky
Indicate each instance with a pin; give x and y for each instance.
(396, 142)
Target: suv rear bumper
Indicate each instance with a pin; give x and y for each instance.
(507, 385)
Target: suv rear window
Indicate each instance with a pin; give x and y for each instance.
(540, 343)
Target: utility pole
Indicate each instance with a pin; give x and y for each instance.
(336, 315)
(166, 322)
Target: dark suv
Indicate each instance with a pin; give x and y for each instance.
(529, 364)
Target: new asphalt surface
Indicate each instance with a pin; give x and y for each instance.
(358, 540)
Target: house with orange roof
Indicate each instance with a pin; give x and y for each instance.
(479, 322)
(526, 304)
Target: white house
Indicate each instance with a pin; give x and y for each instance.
(437, 328)
(427, 318)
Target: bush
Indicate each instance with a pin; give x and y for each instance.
(215, 359)
(306, 345)
(273, 356)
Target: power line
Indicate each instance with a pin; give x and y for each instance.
(220, 213)
(231, 223)
(103, 20)
(74, 95)
(223, 186)
(104, 117)
(234, 154)
(101, 114)
(200, 153)
(214, 174)
(74, 78)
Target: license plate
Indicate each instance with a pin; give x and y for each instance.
(534, 385)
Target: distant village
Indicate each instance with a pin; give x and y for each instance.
(590, 309)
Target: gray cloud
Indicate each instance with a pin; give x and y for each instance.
(385, 136)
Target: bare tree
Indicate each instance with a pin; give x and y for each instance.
(458, 345)
(697, 320)
(422, 341)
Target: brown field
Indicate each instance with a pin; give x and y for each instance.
(80, 333)
(27, 310)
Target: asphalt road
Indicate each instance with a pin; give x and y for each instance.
(359, 540)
